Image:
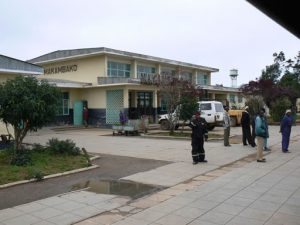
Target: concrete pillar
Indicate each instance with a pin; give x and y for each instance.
(134, 69)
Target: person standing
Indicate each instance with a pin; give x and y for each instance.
(85, 116)
(199, 132)
(226, 125)
(267, 132)
(245, 122)
(285, 129)
(260, 132)
(253, 136)
(122, 118)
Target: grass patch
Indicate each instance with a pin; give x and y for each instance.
(43, 162)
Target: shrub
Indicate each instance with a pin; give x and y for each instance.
(21, 158)
(278, 108)
(35, 174)
(255, 103)
(63, 147)
(38, 148)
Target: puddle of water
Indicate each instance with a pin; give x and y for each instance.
(117, 187)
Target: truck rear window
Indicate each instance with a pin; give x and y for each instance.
(205, 106)
(219, 107)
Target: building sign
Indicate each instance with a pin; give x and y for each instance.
(60, 69)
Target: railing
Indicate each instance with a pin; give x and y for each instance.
(118, 80)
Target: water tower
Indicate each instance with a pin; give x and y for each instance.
(233, 74)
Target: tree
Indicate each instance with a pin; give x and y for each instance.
(267, 90)
(27, 104)
(277, 80)
(188, 107)
(172, 88)
(271, 73)
(255, 103)
(278, 108)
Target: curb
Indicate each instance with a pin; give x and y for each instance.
(175, 138)
(52, 175)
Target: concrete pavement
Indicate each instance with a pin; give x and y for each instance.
(223, 191)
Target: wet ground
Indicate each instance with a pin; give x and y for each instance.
(110, 168)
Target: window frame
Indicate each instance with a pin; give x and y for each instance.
(118, 69)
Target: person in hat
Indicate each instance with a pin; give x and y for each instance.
(199, 133)
(285, 130)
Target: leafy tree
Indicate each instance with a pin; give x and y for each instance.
(278, 108)
(173, 88)
(27, 104)
(255, 103)
(291, 76)
(188, 107)
(277, 80)
(272, 73)
(267, 90)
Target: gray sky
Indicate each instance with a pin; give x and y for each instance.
(223, 34)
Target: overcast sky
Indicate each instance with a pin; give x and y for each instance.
(223, 34)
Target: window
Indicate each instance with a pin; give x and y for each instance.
(117, 69)
(168, 72)
(143, 71)
(186, 76)
(232, 98)
(202, 78)
(144, 103)
(205, 106)
(64, 109)
(219, 107)
(163, 104)
(240, 99)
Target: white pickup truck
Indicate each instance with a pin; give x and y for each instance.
(211, 111)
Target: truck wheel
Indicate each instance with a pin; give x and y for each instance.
(164, 125)
(233, 121)
(210, 127)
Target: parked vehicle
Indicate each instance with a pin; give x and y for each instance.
(211, 111)
(235, 117)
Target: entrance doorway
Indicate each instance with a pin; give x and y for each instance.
(145, 103)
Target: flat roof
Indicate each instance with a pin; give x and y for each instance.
(63, 55)
(16, 66)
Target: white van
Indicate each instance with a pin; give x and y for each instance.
(211, 111)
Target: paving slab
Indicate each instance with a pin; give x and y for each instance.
(229, 198)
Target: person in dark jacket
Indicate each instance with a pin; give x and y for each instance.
(199, 133)
(261, 133)
(245, 122)
(226, 125)
(285, 130)
(85, 116)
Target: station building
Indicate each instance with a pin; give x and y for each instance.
(108, 81)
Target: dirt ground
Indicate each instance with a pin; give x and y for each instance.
(111, 168)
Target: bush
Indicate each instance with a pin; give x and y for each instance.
(21, 158)
(63, 147)
(255, 103)
(38, 148)
(35, 174)
(278, 108)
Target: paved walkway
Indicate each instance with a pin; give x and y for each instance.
(242, 192)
